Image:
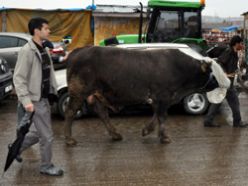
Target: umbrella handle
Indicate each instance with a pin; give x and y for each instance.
(32, 114)
(27, 117)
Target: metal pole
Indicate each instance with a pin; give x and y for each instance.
(140, 23)
(4, 21)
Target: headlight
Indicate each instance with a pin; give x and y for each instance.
(4, 68)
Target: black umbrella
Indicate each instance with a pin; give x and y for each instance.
(22, 130)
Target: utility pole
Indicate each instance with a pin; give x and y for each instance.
(4, 20)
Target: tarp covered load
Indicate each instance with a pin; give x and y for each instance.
(76, 23)
(230, 29)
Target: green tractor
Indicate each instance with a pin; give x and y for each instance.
(169, 21)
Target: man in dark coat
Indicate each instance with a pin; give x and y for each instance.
(229, 62)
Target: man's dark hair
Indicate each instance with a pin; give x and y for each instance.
(235, 39)
(36, 23)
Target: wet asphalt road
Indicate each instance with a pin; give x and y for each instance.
(196, 156)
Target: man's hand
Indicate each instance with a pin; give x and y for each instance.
(29, 107)
(66, 55)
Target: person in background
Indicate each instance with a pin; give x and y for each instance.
(229, 62)
(50, 46)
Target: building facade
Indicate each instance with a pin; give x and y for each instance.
(115, 20)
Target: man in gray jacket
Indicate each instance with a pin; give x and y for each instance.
(35, 82)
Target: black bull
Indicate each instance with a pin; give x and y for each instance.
(117, 77)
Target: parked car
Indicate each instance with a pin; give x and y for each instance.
(11, 43)
(5, 79)
(196, 103)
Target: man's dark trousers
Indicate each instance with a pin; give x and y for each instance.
(233, 102)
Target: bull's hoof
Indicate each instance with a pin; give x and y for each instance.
(165, 140)
(70, 141)
(116, 137)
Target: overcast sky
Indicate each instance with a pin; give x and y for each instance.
(221, 8)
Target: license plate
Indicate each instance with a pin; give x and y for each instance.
(8, 88)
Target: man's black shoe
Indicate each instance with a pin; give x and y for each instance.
(18, 158)
(211, 125)
(240, 125)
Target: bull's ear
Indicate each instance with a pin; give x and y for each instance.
(205, 66)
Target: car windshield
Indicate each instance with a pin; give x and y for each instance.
(167, 25)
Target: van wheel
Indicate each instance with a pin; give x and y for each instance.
(195, 104)
(62, 103)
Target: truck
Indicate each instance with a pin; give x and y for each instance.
(168, 21)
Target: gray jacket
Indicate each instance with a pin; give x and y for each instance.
(28, 74)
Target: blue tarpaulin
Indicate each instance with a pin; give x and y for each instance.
(229, 28)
